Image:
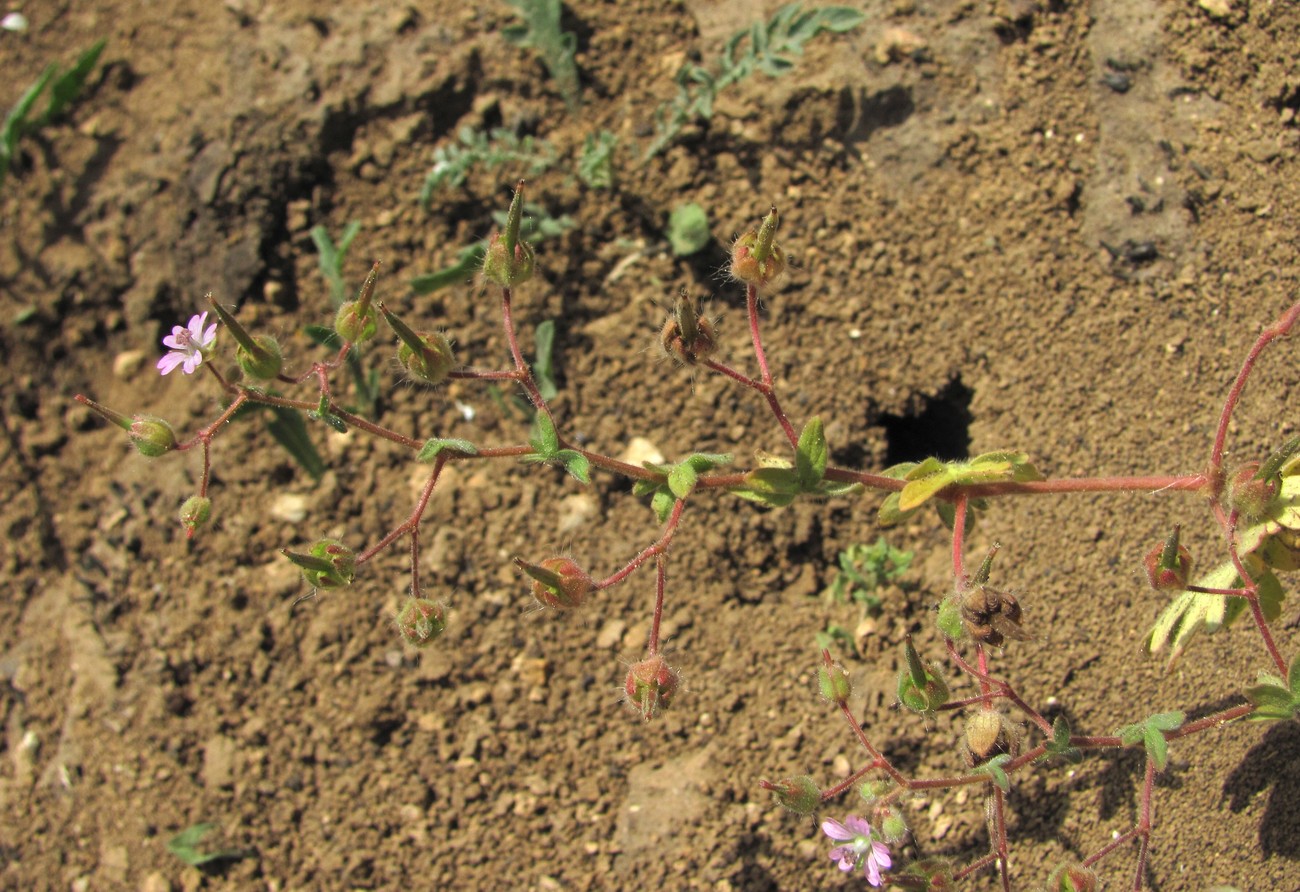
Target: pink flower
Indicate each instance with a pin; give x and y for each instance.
(187, 345)
(856, 846)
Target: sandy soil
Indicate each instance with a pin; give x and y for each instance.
(1048, 226)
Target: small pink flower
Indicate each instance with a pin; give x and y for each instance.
(187, 345)
(857, 846)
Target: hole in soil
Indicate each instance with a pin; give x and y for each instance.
(938, 426)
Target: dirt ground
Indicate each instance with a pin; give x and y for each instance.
(1051, 226)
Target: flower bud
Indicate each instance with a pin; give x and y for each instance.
(988, 734)
(1072, 878)
(426, 355)
(258, 357)
(891, 825)
(263, 361)
(195, 512)
(799, 794)
(420, 621)
(1249, 494)
(356, 321)
(834, 682)
(152, 436)
(1168, 565)
(650, 686)
(756, 258)
(327, 564)
(354, 324)
(688, 336)
(558, 582)
(509, 261)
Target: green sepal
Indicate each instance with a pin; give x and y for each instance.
(548, 578)
(920, 689)
(811, 455)
(436, 445)
(993, 768)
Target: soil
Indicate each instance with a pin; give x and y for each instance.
(1048, 226)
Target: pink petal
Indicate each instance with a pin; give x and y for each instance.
(169, 362)
(209, 334)
(192, 362)
(859, 826)
(880, 852)
(835, 830)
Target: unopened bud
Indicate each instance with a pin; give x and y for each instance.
(509, 261)
(257, 357)
(427, 354)
(558, 582)
(988, 734)
(195, 512)
(651, 686)
(327, 564)
(1169, 564)
(756, 258)
(420, 621)
(152, 436)
(891, 824)
(688, 336)
(1250, 494)
(357, 321)
(799, 794)
(833, 680)
(1072, 878)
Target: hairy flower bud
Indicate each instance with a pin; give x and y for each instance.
(988, 734)
(834, 682)
(195, 512)
(356, 321)
(1249, 494)
(799, 794)
(420, 621)
(327, 564)
(509, 261)
(651, 686)
(1072, 878)
(152, 436)
(558, 582)
(756, 258)
(262, 361)
(425, 354)
(1168, 565)
(355, 324)
(687, 337)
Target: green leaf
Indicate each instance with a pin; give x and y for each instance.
(707, 461)
(681, 480)
(543, 368)
(544, 440)
(1157, 748)
(993, 768)
(840, 18)
(923, 487)
(68, 86)
(811, 455)
(662, 502)
(688, 230)
(435, 446)
(1273, 702)
(290, 431)
(575, 463)
(468, 262)
(187, 846)
(1293, 676)
(1059, 745)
